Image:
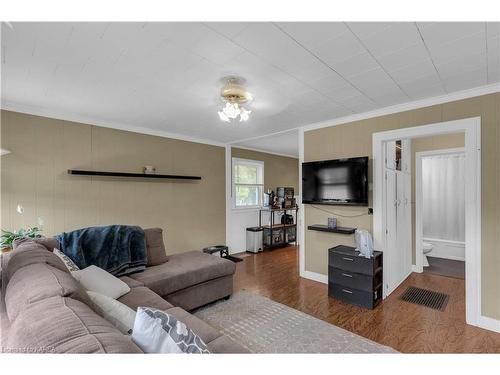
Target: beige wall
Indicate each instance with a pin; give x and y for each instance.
(278, 170)
(439, 142)
(43, 149)
(355, 139)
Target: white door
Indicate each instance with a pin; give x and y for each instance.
(391, 240)
(397, 252)
(403, 226)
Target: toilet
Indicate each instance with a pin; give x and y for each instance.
(426, 249)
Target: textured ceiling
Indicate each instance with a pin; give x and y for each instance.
(165, 77)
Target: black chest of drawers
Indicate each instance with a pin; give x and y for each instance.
(354, 279)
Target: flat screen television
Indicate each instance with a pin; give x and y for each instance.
(341, 181)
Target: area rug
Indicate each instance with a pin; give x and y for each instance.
(264, 326)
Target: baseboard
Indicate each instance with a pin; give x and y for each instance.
(314, 276)
(417, 269)
(451, 257)
(488, 323)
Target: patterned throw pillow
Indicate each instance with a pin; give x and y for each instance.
(156, 331)
(70, 265)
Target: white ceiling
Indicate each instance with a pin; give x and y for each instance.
(165, 77)
(284, 143)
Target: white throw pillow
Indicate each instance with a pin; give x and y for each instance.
(117, 313)
(70, 265)
(97, 280)
(156, 331)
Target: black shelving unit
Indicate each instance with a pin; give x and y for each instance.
(81, 172)
(324, 228)
(277, 234)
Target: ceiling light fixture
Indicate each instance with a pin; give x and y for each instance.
(234, 94)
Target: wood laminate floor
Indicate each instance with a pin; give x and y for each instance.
(406, 327)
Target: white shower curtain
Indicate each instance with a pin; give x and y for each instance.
(443, 194)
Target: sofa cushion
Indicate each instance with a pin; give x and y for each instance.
(224, 344)
(36, 282)
(155, 247)
(50, 243)
(206, 332)
(64, 325)
(31, 253)
(142, 296)
(131, 282)
(115, 312)
(100, 281)
(184, 270)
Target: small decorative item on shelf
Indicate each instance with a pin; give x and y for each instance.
(332, 223)
(276, 203)
(289, 203)
(149, 169)
(267, 198)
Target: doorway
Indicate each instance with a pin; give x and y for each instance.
(440, 212)
(471, 127)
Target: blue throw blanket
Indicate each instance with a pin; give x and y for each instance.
(118, 249)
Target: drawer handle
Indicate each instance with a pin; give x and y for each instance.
(349, 259)
(346, 291)
(346, 275)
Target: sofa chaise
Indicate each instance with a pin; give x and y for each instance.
(44, 309)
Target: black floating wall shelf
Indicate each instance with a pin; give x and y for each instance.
(324, 228)
(132, 175)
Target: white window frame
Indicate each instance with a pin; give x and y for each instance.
(258, 163)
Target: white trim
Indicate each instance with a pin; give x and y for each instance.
(444, 151)
(319, 277)
(416, 269)
(472, 129)
(265, 135)
(450, 257)
(444, 241)
(88, 120)
(459, 95)
(301, 215)
(489, 323)
(228, 165)
(67, 116)
(263, 151)
(258, 163)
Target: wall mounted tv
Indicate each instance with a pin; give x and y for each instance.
(341, 181)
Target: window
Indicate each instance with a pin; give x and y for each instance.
(248, 183)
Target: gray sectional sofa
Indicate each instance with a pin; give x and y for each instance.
(44, 309)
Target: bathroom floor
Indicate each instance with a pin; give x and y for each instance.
(446, 267)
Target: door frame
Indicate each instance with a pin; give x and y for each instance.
(472, 129)
(419, 156)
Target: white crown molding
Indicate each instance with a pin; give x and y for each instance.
(64, 115)
(87, 120)
(459, 95)
(264, 151)
(265, 135)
